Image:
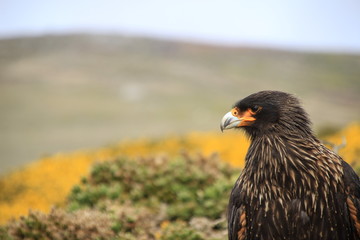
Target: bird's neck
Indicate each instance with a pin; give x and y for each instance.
(284, 150)
(281, 164)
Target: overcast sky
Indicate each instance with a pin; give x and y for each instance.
(300, 24)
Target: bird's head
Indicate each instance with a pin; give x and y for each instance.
(267, 111)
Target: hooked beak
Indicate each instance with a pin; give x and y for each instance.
(235, 118)
(229, 121)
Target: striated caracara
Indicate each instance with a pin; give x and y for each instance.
(292, 187)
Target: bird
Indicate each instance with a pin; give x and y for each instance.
(292, 186)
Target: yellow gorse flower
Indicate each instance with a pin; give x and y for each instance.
(351, 151)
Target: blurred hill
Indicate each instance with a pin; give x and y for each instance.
(68, 92)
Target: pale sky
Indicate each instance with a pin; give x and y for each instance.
(297, 24)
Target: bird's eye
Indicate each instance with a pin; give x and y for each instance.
(255, 109)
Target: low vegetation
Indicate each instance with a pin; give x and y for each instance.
(114, 193)
(43, 184)
(145, 198)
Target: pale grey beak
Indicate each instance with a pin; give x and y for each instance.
(229, 121)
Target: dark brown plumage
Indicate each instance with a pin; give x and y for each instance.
(292, 186)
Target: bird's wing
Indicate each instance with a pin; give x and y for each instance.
(272, 223)
(352, 185)
(236, 216)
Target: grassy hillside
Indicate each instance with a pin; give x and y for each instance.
(62, 93)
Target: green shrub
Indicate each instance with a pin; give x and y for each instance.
(4, 234)
(180, 231)
(128, 199)
(59, 225)
(188, 186)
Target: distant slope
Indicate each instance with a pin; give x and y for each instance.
(78, 91)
